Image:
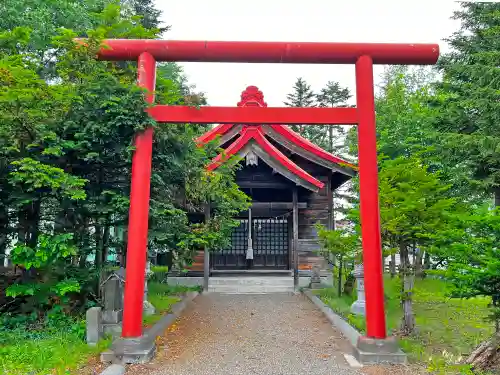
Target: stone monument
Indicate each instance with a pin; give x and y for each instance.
(359, 306)
(108, 319)
(112, 296)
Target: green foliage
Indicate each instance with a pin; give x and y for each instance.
(469, 94)
(340, 242)
(413, 202)
(49, 251)
(341, 246)
(473, 261)
(447, 328)
(54, 345)
(40, 17)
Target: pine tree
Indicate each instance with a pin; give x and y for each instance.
(303, 96)
(470, 95)
(333, 95)
(147, 10)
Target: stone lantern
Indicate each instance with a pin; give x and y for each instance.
(359, 306)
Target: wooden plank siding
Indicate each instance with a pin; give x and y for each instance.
(318, 211)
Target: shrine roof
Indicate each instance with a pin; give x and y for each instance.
(243, 140)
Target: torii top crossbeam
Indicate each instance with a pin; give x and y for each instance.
(270, 52)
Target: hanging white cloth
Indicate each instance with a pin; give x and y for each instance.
(249, 249)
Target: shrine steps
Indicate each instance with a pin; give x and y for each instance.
(250, 272)
(243, 284)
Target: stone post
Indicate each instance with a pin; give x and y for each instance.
(94, 325)
(358, 307)
(315, 277)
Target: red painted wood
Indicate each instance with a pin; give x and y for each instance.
(139, 210)
(270, 52)
(369, 207)
(213, 133)
(255, 133)
(254, 115)
(292, 136)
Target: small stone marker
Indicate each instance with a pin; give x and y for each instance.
(315, 277)
(94, 325)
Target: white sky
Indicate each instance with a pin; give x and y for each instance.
(379, 21)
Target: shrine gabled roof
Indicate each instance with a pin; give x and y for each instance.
(255, 139)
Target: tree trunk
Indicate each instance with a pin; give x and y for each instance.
(105, 244)
(496, 193)
(22, 225)
(98, 246)
(486, 356)
(408, 320)
(349, 284)
(161, 259)
(340, 277)
(393, 265)
(4, 231)
(334, 263)
(417, 264)
(33, 221)
(85, 243)
(330, 138)
(427, 262)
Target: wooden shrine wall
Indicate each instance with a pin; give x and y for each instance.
(317, 211)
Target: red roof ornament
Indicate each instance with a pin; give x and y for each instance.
(252, 97)
(254, 141)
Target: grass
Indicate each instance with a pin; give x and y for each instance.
(43, 353)
(162, 297)
(61, 349)
(446, 327)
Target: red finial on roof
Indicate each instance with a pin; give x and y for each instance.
(252, 97)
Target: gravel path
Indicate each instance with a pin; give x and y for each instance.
(250, 334)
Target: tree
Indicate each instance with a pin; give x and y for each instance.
(414, 205)
(44, 18)
(342, 245)
(303, 96)
(150, 16)
(65, 164)
(469, 99)
(333, 95)
(473, 269)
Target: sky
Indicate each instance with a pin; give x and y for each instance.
(377, 21)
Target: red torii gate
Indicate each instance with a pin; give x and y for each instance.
(363, 55)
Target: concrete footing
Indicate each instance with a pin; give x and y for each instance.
(131, 350)
(372, 351)
(114, 370)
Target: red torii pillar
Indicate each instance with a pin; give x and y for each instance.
(363, 55)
